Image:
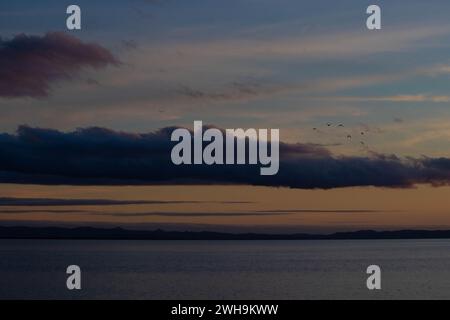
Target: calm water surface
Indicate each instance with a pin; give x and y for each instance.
(411, 269)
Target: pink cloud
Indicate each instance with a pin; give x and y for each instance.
(30, 64)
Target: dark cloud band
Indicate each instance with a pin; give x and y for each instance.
(22, 202)
(184, 214)
(98, 156)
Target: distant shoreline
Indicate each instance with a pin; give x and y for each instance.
(91, 233)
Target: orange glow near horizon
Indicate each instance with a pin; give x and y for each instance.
(239, 206)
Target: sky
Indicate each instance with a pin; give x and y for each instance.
(363, 115)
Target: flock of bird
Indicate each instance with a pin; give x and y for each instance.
(348, 136)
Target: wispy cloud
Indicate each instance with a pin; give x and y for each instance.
(33, 202)
(344, 44)
(231, 214)
(188, 214)
(20, 202)
(322, 211)
(397, 98)
(191, 214)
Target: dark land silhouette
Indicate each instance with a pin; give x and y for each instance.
(22, 232)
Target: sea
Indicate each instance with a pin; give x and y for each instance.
(272, 270)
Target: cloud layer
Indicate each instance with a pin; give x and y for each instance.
(30, 64)
(21, 202)
(106, 157)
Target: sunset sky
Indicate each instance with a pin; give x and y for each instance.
(86, 114)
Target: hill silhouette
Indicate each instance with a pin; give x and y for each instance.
(22, 232)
